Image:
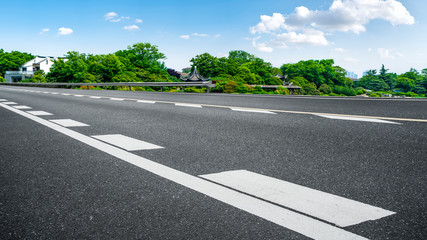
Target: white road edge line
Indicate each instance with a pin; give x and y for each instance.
(22, 107)
(69, 123)
(252, 110)
(360, 119)
(125, 142)
(338, 210)
(39, 113)
(146, 101)
(289, 219)
(188, 105)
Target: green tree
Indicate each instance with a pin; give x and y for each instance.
(13, 61)
(404, 83)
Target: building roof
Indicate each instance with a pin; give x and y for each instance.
(194, 76)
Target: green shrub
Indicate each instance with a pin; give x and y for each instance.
(2, 79)
(325, 88)
(282, 90)
(230, 87)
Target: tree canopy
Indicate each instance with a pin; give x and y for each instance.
(13, 60)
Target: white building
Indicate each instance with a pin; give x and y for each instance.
(28, 69)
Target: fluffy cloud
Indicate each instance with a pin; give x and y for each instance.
(186, 37)
(305, 26)
(65, 31)
(110, 16)
(131, 28)
(138, 20)
(262, 47)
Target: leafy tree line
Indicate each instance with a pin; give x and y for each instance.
(237, 73)
(140, 62)
(411, 81)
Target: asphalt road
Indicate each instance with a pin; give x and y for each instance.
(57, 184)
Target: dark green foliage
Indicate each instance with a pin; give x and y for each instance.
(13, 60)
(138, 63)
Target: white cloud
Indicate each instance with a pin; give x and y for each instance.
(200, 35)
(217, 35)
(310, 37)
(138, 20)
(116, 20)
(262, 47)
(131, 28)
(65, 31)
(385, 53)
(269, 24)
(110, 16)
(44, 30)
(186, 37)
(305, 26)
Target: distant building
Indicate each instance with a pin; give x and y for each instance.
(194, 77)
(28, 69)
(351, 75)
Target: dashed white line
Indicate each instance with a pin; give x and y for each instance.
(22, 107)
(357, 119)
(116, 99)
(145, 101)
(69, 123)
(95, 97)
(251, 110)
(128, 143)
(283, 217)
(77, 95)
(188, 105)
(332, 208)
(39, 113)
(65, 94)
(3, 100)
(9, 103)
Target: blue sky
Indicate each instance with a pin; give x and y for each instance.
(358, 34)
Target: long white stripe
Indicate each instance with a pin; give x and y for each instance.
(9, 103)
(22, 107)
(116, 99)
(128, 143)
(95, 97)
(332, 208)
(145, 101)
(188, 105)
(3, 100)
(69, 123)
(357, 119)
(299, 223)
(39, 113)
(251, 110)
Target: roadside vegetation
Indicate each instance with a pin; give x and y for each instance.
(240, 72)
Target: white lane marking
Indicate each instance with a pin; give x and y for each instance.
(3, 100)
(332, 208)
(357, 119)
(65, 94)
(77, 95)
(54, 93)
(145, 101)
(251, 110)
(39, 113)
(188, 105)
(22, 107)
(46, 92)
(116, 99)
(289, 219)
(9, 103)
(96, 97)
(128, 143)
(69, 123)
